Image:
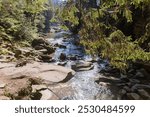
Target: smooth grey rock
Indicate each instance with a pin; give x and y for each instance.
(44, 71)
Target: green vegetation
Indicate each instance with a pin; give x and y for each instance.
(117, 30)
(20, 21)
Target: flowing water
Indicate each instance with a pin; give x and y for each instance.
(83, 83)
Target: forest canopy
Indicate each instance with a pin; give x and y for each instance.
(117, 30)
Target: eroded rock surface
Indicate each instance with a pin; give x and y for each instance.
(32, 80)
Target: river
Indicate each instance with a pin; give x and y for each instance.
(83, 83)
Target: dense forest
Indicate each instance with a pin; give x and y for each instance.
(116, 31)
(22, 21)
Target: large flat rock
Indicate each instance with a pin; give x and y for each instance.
(45, 71)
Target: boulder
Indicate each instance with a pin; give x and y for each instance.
(39, 44)
(82, 66)
(45, 71)
(73, 57)
(133, 96)
(62, 56)
(144, 94)
(60, 46)
(39, 47)
(43, 51)
(39, 41)
(138, 75)
(50, 49)
(45, 58)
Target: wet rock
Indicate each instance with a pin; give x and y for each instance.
(56, 28)
(111, 70)
(45, 58)
(109, 79)
(135, 81)
(139, 75)
(73, 58)
(133, 96)
(82, 66)
(131, 71)
(76, 42)
(124, 78)
(127, 88)
(144, 72)
(60, 46)
(48, 95)
(122, 92)
(86, 69)
(105, 96)
(62, 63)
(93, 60)
(62, 56)
(140, 86)
(52, 30)
(144, 94)
(97, 78)
(106, 84)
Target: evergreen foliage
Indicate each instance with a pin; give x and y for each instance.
(21, 20)
(101, 35)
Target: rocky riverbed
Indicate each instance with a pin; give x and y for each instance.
(57, 68)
